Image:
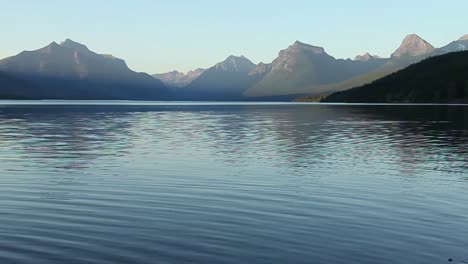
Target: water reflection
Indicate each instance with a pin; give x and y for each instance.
(73, 137)
(64, 137)
(233, 184)
(436, 136)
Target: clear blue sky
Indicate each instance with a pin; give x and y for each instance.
(157, 36)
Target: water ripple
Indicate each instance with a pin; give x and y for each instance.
(233, 184)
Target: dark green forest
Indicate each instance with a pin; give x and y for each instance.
(441, 79)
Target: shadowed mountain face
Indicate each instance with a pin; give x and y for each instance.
(226, 80)
(178, 79)
(71, 71)
(442, 79)
(11, 87)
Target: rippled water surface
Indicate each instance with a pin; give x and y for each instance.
(237, 183)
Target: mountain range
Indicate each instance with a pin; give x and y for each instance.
(303, 69)
(413, 49)
(71, 71)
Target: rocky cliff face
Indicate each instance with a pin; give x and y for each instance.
(290, 58)
(413, 45)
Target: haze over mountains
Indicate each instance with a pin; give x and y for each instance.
(307, 69)
(71, 71)
(367, 57)
(226, 80)
(178, 79)
(458, 45)
(302, 66)
(413, 49)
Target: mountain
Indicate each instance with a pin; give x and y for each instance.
(260, 70)
(72, 71)
(302, 67)
(413, 45)
(366, 57)
(178, 79)
(459, 45)
(441, 79)
(306, 69)
(413, 49)
(226, 80)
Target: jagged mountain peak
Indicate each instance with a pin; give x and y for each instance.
(235, 63)
(196, 71)
(233, 58)
(366, 57)
(53, 44)
(173, 72)
(413, 45)
(51, 48)
(296, 54)
(297, 45)
(176, 78)
(68, 43)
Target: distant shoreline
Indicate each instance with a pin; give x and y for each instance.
(53, 102)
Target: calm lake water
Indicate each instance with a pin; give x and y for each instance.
(234, 183)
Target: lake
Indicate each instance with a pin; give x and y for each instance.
(136, 182)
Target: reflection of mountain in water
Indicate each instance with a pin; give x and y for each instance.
(420, 134)
(64, 137)
(316, 136)
(284, 136)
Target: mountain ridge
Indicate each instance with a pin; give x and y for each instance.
(71, 70)
(63, 70)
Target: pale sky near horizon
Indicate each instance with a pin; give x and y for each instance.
(158, 36)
